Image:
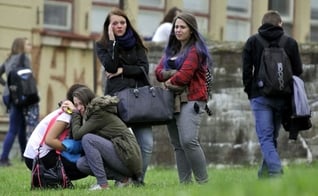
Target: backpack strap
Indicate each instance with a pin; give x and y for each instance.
(21, 60)
(282, 41)
(263, 41)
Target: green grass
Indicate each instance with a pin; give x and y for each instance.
(299, 179)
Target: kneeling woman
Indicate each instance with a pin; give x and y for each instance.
(111, 149)
(52, 142)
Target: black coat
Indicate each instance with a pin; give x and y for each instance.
(252, 52)
(131, 60)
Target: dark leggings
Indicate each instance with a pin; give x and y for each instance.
(50, 160)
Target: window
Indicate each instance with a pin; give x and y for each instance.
(107, 1)
(98, 15)
(150, 14)
(314, 11)
(148, 21)
(285, 8)
(100, 9)
(237, 30)
(238, 20)
(314, 21)
(201, 6)
(201, 11)
(57, 15)
(202, 25)
(152, 3)
(239, 8)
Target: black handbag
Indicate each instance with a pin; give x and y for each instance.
(45, 178)
(150, 105)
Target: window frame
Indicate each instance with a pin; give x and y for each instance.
(68, 26)
(290, 17)
(246, 15)
(314, 22)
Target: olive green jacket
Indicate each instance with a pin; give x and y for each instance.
(101, 118)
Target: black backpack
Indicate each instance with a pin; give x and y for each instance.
(274, 77)
(22, 85)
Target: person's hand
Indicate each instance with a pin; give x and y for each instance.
(168, 73)
(67, 106)
(111, 32)
(72, 146)
(174, 88)
(110, 75)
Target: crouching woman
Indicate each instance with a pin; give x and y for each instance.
(111, 149)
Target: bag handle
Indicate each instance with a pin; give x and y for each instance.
(49, 127)
(146, 75)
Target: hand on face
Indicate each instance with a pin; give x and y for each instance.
(117, 26)
(67, 106)
(110, 32)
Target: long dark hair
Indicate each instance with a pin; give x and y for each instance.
(84, 94)
(116, 11)
(18, 46)
(74, 87)
(174, 46)
(171, 14)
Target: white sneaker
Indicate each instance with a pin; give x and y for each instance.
(97, 187)
(125, 183)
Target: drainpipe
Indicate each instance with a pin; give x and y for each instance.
(95, 68)
(121, 4)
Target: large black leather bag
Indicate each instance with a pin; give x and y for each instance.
(152, 105)
(47, 178)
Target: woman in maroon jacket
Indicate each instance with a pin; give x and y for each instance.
(183, 69)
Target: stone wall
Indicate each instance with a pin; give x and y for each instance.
(228, 137)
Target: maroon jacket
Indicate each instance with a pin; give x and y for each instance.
(191, 74)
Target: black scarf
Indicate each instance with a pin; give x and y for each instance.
(128, 40)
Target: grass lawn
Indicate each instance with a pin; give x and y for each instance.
(298, 180)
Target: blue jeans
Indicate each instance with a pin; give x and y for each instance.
(184, 136)
(268, 117)
(16, 126)
(144, 138)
